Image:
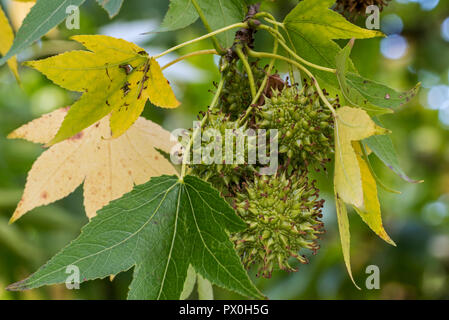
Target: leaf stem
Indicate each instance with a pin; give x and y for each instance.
(299, 66)
(274, 22)
(249, 72)
(263, 85)
(217, 45)
(206, 36)
(192, 54)
(197, 130)
(276, 34)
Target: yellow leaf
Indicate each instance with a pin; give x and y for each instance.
(108, 167)
(370, 212)
(345, 236)
(7, 38)
(352, 124)
(158, 91)
(115, 76)
(159, 87)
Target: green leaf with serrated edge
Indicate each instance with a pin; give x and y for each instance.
(383, 148)
(353, 97)
(221, 13)
(345, 236)
(159, 229)
(218, 13)
(316, 50)
(180, 14)
(111, 6)
(379, 94)
(310, 28)
(43, 16)
(315, 17)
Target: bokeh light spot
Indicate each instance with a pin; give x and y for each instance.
(392, 24)
(445, 29)
(438, 97)
(393, 47)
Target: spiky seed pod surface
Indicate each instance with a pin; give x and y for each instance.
(352, 8)
(305, 126)
(282, 215)
(222, 175)
(236, 95)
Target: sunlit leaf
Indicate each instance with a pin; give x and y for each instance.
(345, 235)
(311, 26)
(108, 167)
(116, 77)
(370, 212)
(352, 124)
(7, 38)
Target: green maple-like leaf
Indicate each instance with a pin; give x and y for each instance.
(377, 99)
(218, 13)
(311, 27)
(111, 6)
(352, 96)
(159, 229)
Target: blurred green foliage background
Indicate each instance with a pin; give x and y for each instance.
(416, 49)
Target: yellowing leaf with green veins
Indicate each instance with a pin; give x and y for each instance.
(7, 38)
(116, 77)
(351, 124)
(108, 167)
(370, 212)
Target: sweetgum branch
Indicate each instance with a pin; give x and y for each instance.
(206, 36)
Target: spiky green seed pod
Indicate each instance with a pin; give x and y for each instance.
(282, 215)
(222, 172)
(236, 94)
(305, 127)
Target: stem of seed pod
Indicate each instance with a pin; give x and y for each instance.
(198, 129)
(299, 66)
(206, 36)
(263, 85)
(276, 34)
(192, 54)
(274, 22)
(249, 72)
(217, 45)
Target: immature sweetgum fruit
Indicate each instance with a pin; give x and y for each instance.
(228, 172)
(282, 214)
(236, 95)
(305, 127)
